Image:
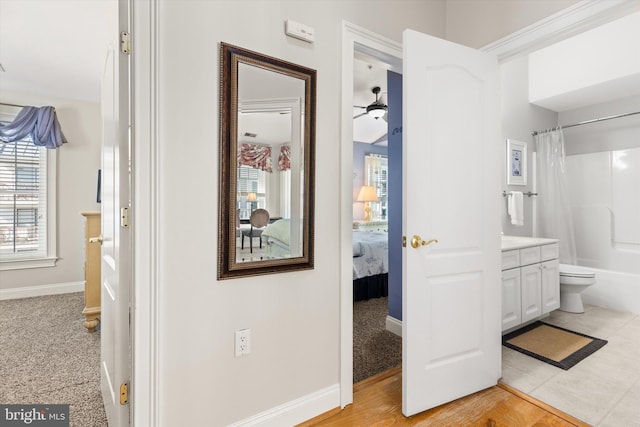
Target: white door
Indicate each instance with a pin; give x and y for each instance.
(116, 244)
(451, 289)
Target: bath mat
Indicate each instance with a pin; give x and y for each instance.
(552, 344)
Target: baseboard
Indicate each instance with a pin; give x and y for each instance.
(41, 290)
(296, 411)
(394, 325)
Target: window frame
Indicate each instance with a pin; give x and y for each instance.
(26, 261)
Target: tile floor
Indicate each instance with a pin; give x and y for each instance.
(603, 389)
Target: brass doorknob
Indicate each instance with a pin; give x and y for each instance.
(416, 241)
(96, 239)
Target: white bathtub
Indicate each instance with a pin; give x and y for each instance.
(615, 290)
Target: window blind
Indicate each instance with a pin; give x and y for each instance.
(23, 200)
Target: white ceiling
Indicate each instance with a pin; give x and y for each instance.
(55, 47)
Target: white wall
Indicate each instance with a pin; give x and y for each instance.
(519, 120)
(78, 164)
(294, 317)
(589, 68)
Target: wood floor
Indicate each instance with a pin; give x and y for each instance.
(377, 401)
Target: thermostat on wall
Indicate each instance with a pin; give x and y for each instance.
(299, 31)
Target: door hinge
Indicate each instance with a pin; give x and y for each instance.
(125, 42)
(404, 241)
(124, 393)
(124, 217)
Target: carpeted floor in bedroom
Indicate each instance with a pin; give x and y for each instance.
(48, 357)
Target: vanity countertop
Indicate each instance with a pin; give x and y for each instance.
(519, 242)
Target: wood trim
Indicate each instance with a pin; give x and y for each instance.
(368, 382)
(378, 402)
(568, 418)
(362, 385)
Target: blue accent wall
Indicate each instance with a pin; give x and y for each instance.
(394, 152)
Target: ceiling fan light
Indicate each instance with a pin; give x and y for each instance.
(376, 112)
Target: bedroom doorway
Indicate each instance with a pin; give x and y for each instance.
(376, 213)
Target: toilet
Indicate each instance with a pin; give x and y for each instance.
(574, 280)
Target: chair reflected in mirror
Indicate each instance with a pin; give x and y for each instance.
(259, 220)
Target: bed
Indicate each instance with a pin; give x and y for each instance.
(370, 265)
(277, 239)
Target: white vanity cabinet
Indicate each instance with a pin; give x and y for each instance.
(530, 279)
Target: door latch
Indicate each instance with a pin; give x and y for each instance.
(124, 217)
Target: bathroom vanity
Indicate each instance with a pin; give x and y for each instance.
(530, 279)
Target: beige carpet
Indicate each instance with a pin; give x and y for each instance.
(557, 346)
(48, 357)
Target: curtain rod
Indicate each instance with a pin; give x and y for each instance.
(12, 105)
(601, 119)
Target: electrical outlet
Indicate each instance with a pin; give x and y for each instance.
(243, 342)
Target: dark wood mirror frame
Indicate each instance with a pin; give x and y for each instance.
(230, 59)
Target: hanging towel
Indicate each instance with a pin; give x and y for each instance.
(515, 208)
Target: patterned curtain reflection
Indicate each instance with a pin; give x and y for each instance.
(284, 159)
(255, 156)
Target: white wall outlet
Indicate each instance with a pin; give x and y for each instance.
(243, 342)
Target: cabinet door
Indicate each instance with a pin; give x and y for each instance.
(511, 312)
(550, 285)
(531, 277)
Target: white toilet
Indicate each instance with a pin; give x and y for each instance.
(574, 280)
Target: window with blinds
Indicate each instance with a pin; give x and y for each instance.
(252, 184)
(23, 201)
(377, 175)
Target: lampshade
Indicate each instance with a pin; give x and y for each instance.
(251, 197)
(367, 194)
(376, 112)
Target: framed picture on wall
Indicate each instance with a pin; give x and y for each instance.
(516, 162)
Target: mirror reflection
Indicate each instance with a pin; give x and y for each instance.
(266, 161)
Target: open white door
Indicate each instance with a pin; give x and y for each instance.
(451, 288)
(116, 243)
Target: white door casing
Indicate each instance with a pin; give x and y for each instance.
(451, 289)
(116, 244)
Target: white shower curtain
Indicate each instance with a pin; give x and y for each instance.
(554, 211)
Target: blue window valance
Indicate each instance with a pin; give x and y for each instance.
(37, 124)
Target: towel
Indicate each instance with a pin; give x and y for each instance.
(515, 209)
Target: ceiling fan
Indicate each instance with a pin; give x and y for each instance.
(376, 109)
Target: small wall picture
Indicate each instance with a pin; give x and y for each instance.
(516, 162)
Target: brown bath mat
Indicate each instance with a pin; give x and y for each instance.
(551, 344)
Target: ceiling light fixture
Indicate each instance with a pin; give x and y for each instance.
(377, 109)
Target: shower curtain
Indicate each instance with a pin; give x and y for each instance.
(554, 211)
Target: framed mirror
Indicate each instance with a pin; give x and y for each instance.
(267, 171)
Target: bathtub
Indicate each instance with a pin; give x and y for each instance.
(615, 290)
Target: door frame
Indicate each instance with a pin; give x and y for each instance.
(582, 16)
(354, 38)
